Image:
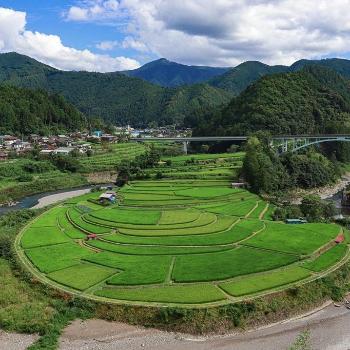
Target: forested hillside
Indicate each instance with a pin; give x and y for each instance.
(313, 100)
(172, 74)
(112, 96)
(24, 111)
(239, 78)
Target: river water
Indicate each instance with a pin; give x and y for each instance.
(46, 198)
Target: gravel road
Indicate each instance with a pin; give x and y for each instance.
(54, 198)
(14, 341)
(330, 330)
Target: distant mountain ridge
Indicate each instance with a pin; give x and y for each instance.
(239, 78)
(121, 99)
(171, 74)
(115, 97)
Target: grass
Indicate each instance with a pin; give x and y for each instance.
(327, 259)
(135, 249)
(42, 236)
(236, 233)
(227, 264)
(238, 208)
(259, 209)
(55, 257)
(81, 276)
(221, 224)
(69, 229)
(128, 216)
(265, 281)
(202, 220)
(22, 309)
(205, 156)
(206, 192)
(297, 239)
(169, 232)
(134, 270)
(76, 218)
(49, 218)
(191, 294)
(170, 217)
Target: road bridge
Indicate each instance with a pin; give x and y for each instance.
(282, 143)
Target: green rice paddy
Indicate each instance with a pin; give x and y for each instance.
(193, 241)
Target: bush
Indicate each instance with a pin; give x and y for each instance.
(25, 178)
(66, 163)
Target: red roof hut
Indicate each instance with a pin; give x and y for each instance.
(339, 239)
(91, 236)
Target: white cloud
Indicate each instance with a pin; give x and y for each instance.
(227, 32)
(94, 10)
(131, 43)
(107, 45)
(50, 49)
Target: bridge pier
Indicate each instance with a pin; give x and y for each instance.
(185, 147)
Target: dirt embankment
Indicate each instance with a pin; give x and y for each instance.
(328, 330)
(102, 177)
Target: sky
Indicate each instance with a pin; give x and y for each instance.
(112, 35)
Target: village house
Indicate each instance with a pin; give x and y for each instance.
(3, 156)
(63, 151)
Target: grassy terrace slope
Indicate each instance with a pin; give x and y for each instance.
(176, 241)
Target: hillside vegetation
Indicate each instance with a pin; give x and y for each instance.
(113, 96)
(239, 78)
(314, 100)
(26, 111)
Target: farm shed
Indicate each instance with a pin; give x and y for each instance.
(238, 185)
(110, 197)
(296, 221)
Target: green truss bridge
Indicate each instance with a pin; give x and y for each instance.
(282, 143)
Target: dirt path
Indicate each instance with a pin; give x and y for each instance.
(329, 331)
(14, 341)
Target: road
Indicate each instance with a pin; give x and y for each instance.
(330, 330)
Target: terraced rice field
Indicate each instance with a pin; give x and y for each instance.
(185, 241)
(106, 160)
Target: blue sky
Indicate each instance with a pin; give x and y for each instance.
(110, 35)
(47, 17)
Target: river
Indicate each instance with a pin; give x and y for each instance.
(43, 199)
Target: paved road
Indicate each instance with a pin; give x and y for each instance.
(330, 330)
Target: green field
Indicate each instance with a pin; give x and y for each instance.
(327, 259)
(262, 282)
(177, 240)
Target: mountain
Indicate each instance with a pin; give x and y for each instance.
(24, 111)
(237, 79)
(115, 97)
(170, 74)
(315, 100)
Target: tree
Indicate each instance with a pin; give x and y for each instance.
(262, 169)
(65, 163)
(312, 207)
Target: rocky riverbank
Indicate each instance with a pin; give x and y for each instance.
(324, 192)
